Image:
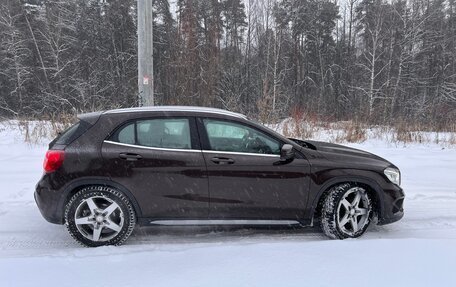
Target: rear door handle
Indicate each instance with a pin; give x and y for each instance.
(222, 160)
(130, 156)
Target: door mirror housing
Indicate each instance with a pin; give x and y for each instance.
(287, 153)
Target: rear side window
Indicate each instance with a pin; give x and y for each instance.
(161, 133)
(127, 134)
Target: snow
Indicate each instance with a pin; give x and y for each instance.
(420, 250)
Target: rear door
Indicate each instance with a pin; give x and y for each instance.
(246, 178)
(160, 161)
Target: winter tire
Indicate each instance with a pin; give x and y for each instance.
(346, 212)
(99, 215)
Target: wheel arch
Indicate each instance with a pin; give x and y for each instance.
(79, 184)
(372, 187)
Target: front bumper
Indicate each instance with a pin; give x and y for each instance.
(393, 207)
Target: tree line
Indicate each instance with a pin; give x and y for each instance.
(372, 61)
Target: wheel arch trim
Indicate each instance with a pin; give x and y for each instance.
(344, 179)
(79, 183)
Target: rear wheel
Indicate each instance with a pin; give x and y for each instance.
(346, 212)
(98, 215)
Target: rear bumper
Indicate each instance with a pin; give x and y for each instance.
(48, 201)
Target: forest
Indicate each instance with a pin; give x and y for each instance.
(370, 61)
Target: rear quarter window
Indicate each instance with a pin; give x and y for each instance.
(72, 133)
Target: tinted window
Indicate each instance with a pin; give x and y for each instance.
(161, 133)
(70, 134)
(229, 136)
(127, 134)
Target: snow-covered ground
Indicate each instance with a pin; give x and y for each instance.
(420, 250)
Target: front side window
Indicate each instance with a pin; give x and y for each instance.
(160, 133)
(234, 137)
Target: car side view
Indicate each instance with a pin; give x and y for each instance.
(174, 165)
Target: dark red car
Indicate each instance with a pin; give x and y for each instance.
(191, 165)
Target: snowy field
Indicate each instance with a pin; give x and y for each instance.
(420, 250)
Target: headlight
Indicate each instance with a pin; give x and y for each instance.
(393, 174)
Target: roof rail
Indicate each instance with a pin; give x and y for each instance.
(176, 109)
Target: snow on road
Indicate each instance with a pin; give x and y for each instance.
(420, 250)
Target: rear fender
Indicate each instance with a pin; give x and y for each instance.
(83, 182)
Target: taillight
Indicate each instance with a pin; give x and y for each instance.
(53, 160)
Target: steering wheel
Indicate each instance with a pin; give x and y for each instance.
(261, 147)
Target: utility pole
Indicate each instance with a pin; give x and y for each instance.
(145, 53)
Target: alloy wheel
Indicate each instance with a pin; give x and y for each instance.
(99, 218)
(353, 211)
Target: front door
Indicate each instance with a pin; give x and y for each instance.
(159, 160)
(246, 178)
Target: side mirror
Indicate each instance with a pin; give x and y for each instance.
(287, 152)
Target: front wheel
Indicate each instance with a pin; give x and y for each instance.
(346, 212)
(99, 215)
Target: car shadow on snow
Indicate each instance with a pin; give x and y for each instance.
(222, 234)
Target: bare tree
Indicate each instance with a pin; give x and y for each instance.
(14, 56)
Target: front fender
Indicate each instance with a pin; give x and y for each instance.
(322, 187)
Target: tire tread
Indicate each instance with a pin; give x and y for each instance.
(329, 212)
(130, 217)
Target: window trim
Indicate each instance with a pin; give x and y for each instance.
(151, 148)
(241, 153)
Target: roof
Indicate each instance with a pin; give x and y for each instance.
(177, 109)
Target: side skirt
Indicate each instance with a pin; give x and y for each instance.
(199, 222)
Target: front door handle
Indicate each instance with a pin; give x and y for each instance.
(130, 156)
(222, 160)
